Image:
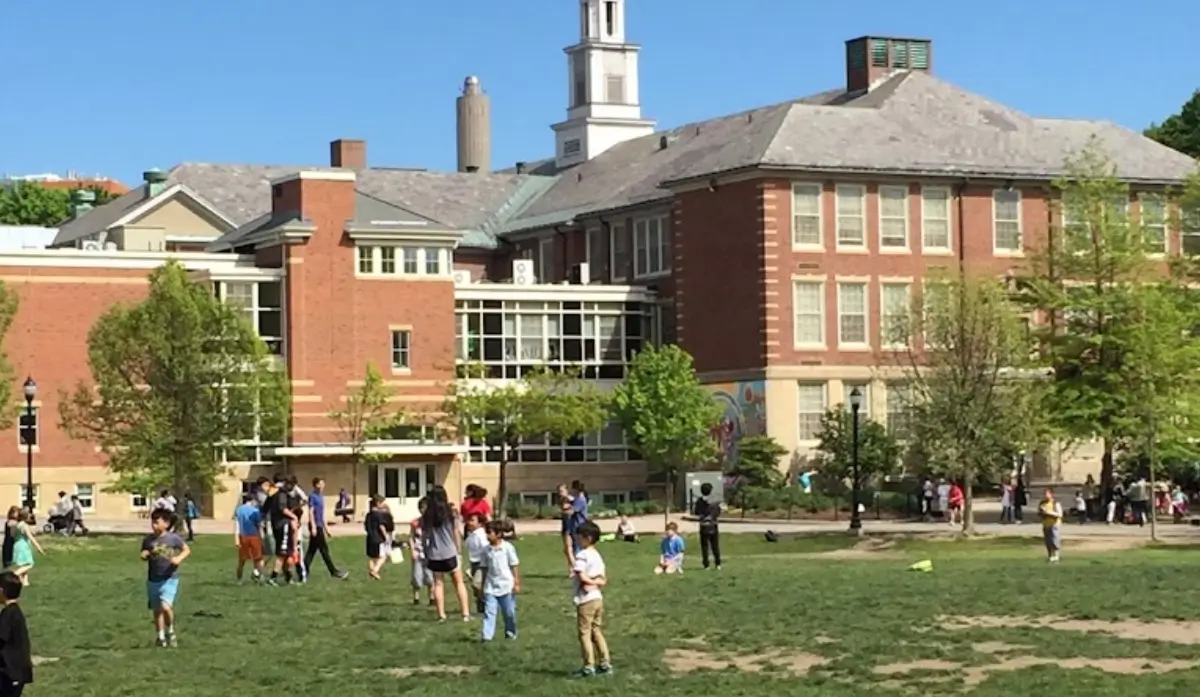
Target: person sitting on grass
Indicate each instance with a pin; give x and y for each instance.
(670, 560)
(1052, 515)
(16, 660)
(625, 530)
(163, 550)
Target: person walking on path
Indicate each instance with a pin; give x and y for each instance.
(318, 531)
(190, 512)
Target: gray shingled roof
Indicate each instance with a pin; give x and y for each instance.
(909, 123)
(99, 218)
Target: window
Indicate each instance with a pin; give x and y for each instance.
(651, 247)
(401, 349)
(410, 260)
(433, 262)
(139, 502)
(1154, 224)
(610, 17)
(810, 407)
(806, 215)
(893, 217)
(87, 496)
(366, 260)
(1006, 221)
(579, 96)
(28, 427)
(851, 225)
(545, 261)
(935, 218)
(262, 302)
(387, 260)
(852, 313)
(899, 410)
(894, 304)
(612, 499)
(618, 252)
(808, 304)
(614, 89)
(511, 338)
(37, 490)
(864, 389)
(597, 256)
(607, 445)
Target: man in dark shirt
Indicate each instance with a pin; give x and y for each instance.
(278, 513)
(708, 512)
(318, 530)
(16, 661)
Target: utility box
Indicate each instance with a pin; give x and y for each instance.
(694, 480)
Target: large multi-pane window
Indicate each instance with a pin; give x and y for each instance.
(388, 260)
(899, 409)
(810, 407)
(935, 218)
(894, 318)
(606, 445)
(512, 337)
(262, 301)
(1006, 220)
(851, 216)
(651, 247)
(893, 217)
(864, 392)
(1154, 223)
(808, 305)
(852, 314)
(806, 215)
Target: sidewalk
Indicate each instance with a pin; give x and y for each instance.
(654, 523)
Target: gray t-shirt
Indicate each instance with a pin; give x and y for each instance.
(439, 541)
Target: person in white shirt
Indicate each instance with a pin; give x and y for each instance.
(589, 575)
(165, 501)
(501, 582)
(943, 497)
(477, 546)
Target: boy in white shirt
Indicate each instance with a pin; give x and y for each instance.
(501, 582)
(589, 577)
(477, 549)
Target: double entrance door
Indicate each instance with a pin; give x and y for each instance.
(402, 487)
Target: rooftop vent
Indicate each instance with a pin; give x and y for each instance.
(869, 58)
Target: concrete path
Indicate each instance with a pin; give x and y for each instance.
(654, 523)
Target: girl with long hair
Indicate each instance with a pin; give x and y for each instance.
(24, 543)
(442, 537)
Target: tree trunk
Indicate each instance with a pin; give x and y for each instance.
(355, 461)
(502, 484)
(1106, 472)
(968, 524)
(670, 486)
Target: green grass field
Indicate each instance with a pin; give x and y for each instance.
(797, 617)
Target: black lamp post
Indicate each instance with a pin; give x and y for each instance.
(855, 515)
(29, 433)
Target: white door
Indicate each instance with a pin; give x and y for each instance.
(403, 486)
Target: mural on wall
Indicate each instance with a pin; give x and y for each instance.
(743, 413)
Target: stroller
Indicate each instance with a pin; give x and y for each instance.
(62, 524)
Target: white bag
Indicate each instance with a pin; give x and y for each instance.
(396, 555)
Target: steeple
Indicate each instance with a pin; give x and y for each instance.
(604, 109)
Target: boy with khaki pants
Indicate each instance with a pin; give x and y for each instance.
(589, 578)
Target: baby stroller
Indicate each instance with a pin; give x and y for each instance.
(62, 524)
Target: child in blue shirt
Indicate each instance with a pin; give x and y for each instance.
(670, 560)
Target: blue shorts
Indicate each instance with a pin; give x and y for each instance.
(160, 594)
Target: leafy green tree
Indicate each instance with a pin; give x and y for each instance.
(8, 310)
(1105, 301)
(176, 379)
(363, 417)
(502, 414)
(1180, 131)
(971, 381)
(667, 414)
(758, 461)
(27, 203)
(878, 452)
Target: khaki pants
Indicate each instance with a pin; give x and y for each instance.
(591, 633)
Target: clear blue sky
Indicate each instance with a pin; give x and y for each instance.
(115, 88)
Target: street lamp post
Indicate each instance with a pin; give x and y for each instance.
(855, 515)
(29, 434)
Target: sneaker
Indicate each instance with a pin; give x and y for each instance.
(273, 582)
(342, 575)
(510, 636)
(172, 641)
(604, 669)
(587, 672)
(718, 567)
(160, 643)
(466, 618)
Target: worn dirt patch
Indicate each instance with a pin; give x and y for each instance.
(997, 647)
(907, 667)
(43, 660)
(1090, 545)
(689, 660)
(429, 670)
(823, 640)
(973, 676)
(694, 641)
(1172, 631)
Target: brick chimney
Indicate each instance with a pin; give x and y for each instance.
(869, 58)
(348, 153)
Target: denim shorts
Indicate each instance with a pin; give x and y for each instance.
(162, 594)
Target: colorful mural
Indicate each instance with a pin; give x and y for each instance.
(743, 413)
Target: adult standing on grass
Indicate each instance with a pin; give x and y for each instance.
(475, 502)
(442, 536)
(10, 534)
(16, 659)
(709, 514)
(280, 519)
(575, 514)
(318, 531)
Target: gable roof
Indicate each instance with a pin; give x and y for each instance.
(129, 207)
(909, 123)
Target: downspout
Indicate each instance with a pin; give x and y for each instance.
(962, 227)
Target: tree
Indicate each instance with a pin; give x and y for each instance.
(28, 203)
(177, 378)
(1102, 296)
(758, 462)
(1180, 131)
(502, 414)
(878, 452)
(667, 414)
(970, 384)
(365, 416)
(8, 310)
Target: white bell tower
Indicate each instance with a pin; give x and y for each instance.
(603, 86)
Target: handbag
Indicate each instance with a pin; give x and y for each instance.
(396, 555)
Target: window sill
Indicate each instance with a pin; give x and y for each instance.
(894, 347)
(808, 248)
(854, 347)
(852, 249)
(401, 371)
(894, 250)
(651, 276)
(36, 449)
(615, 280)
(1008, 253)
(403, 277)
(809, 347)
(937, 252)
